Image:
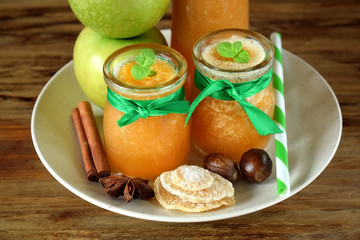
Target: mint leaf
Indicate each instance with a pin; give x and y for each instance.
(234, 51)
(225, 50)
(242, 57)
(236, 46)
(139, 72)
(149, 56)
(140, 59)
(151, 73)
(145, 59)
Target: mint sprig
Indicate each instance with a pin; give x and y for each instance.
(234, 51)
(144, 61)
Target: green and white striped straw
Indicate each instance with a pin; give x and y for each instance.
(282, 165)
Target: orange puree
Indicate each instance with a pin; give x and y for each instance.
(221, 125)
(164, 72)
(150, 146)
(146, 147)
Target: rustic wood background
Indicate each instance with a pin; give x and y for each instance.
(36, 40)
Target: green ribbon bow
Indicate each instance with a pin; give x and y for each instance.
(225, 90)
(134, 109)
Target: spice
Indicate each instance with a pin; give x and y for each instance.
(256, 165)
(84, 146)
(131, 188)
(222, 165)
(91, 146)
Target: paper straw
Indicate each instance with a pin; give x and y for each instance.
(281, 150)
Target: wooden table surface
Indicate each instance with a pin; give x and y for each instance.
(36, 40)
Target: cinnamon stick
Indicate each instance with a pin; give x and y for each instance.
(94, 140)
(84, 146)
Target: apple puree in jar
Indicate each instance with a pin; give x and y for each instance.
(223, 125)
(148, 146)
(164, 72)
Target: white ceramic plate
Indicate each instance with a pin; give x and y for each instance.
(314, 125)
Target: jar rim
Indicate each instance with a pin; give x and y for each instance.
(160, 50)
(266, 44)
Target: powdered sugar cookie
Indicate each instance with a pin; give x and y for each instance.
(170, 201)
(219, 189)
(191, 177)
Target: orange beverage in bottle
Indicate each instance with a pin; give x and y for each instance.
(192, 19)
(149, 145)
(223, 125)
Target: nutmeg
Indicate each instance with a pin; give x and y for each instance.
(255, 165)
(222, 165)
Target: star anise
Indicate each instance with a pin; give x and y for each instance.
(131, 188)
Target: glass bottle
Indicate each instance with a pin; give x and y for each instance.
(192, 19)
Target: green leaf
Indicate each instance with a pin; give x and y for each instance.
(234, 51)
(139, 72)
(151, 73)
(237, 46)
(242, 57)
(225, 50)
(145, 59)
(149, 57)
(140, 59)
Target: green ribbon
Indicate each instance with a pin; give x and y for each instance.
(225, 90)
(134, 109)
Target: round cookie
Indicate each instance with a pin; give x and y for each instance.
(170, 201)
(219, 189)
(191, 177)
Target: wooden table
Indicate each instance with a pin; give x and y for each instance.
(36, 40)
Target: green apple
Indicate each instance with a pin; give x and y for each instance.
(90, 52)
(119, 18)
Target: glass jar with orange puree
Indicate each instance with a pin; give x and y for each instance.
(227, 117)
(144, 134)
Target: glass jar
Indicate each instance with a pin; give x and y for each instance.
(193, 19)
(152, 144)
(223, 125)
